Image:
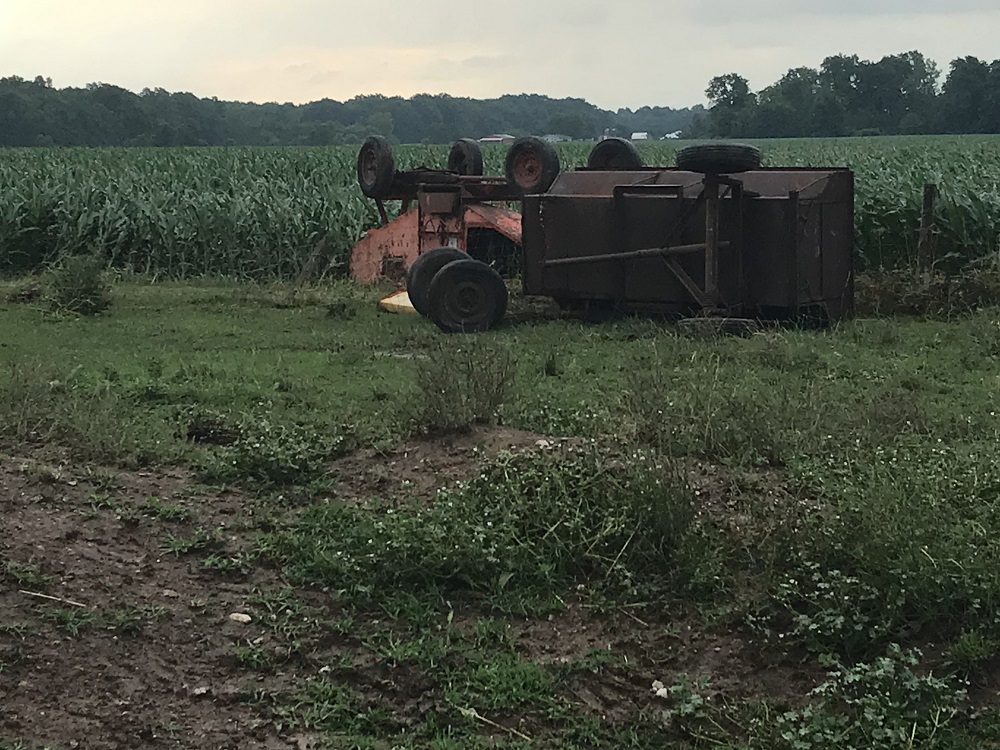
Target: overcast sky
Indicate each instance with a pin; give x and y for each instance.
(613, 53)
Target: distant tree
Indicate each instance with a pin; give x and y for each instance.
(731, 91)
(786, 107)
(733, 105)
(965, 95)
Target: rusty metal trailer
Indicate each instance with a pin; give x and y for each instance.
(717, 236)
(765, 243)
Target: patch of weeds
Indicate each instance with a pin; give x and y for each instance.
(46, 474)
(130, 620)
(25, 291)
(127, 620)
(19, 630)
(906, 545)
(428, 647)
(825, 608)
(253, 656)
(73, 620)
(689, 711)
(285, 614)
(970, 650)
(42, 405)
(129, 515)
(892, 413)
(594, 660)
(489, 632)
(240, 564)
(163, 511)
(502, 682)
(461, 386)
(103, 479)
(268, 454)
(880, 705)
(78, 285)
(527, 528)
(209, 427)
(325, 705)
(13, 744)
(535, 411)
(551, 366)
(26, 575)
(200, 540)
(985, 333)
(741, 421)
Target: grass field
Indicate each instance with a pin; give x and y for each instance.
(551, 535)
(260, 213)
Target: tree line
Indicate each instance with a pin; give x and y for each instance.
(34, 113)
(899, 94)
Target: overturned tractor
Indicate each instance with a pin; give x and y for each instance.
(718, 236)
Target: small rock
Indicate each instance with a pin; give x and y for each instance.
(240, 617)
(662, 693)
(200, 691)
(170, 594)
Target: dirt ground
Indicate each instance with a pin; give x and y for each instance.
(110, 640)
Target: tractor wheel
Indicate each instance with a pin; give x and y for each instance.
(722, 158)
(466, 158)
(614, 153)
(531, 166)
(376, 168)
(418, 278)
(467, 296)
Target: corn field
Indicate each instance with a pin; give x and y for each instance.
(260, 213)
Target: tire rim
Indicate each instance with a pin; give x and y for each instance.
(467, 299)
(369, 167)
(527, 169)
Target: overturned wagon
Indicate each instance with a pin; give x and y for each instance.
(716, 236)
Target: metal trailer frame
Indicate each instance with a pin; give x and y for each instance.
(767, 243)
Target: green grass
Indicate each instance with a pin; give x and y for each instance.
(829, 494)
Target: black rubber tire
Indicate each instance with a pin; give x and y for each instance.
(465, 158)
(719, 158)
(531, 166)
(423, 269)
(466, 296)
(376, 168)
(614, 153)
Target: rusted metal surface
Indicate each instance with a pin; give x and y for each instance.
(765, 243)
(444, 213)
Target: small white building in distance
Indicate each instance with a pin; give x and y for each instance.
(640, 136)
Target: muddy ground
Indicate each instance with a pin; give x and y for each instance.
(108, 639)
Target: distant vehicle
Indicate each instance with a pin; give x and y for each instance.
(672, 136)
(640, 136)
(497, 138)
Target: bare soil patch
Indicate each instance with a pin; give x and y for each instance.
(136, 646)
